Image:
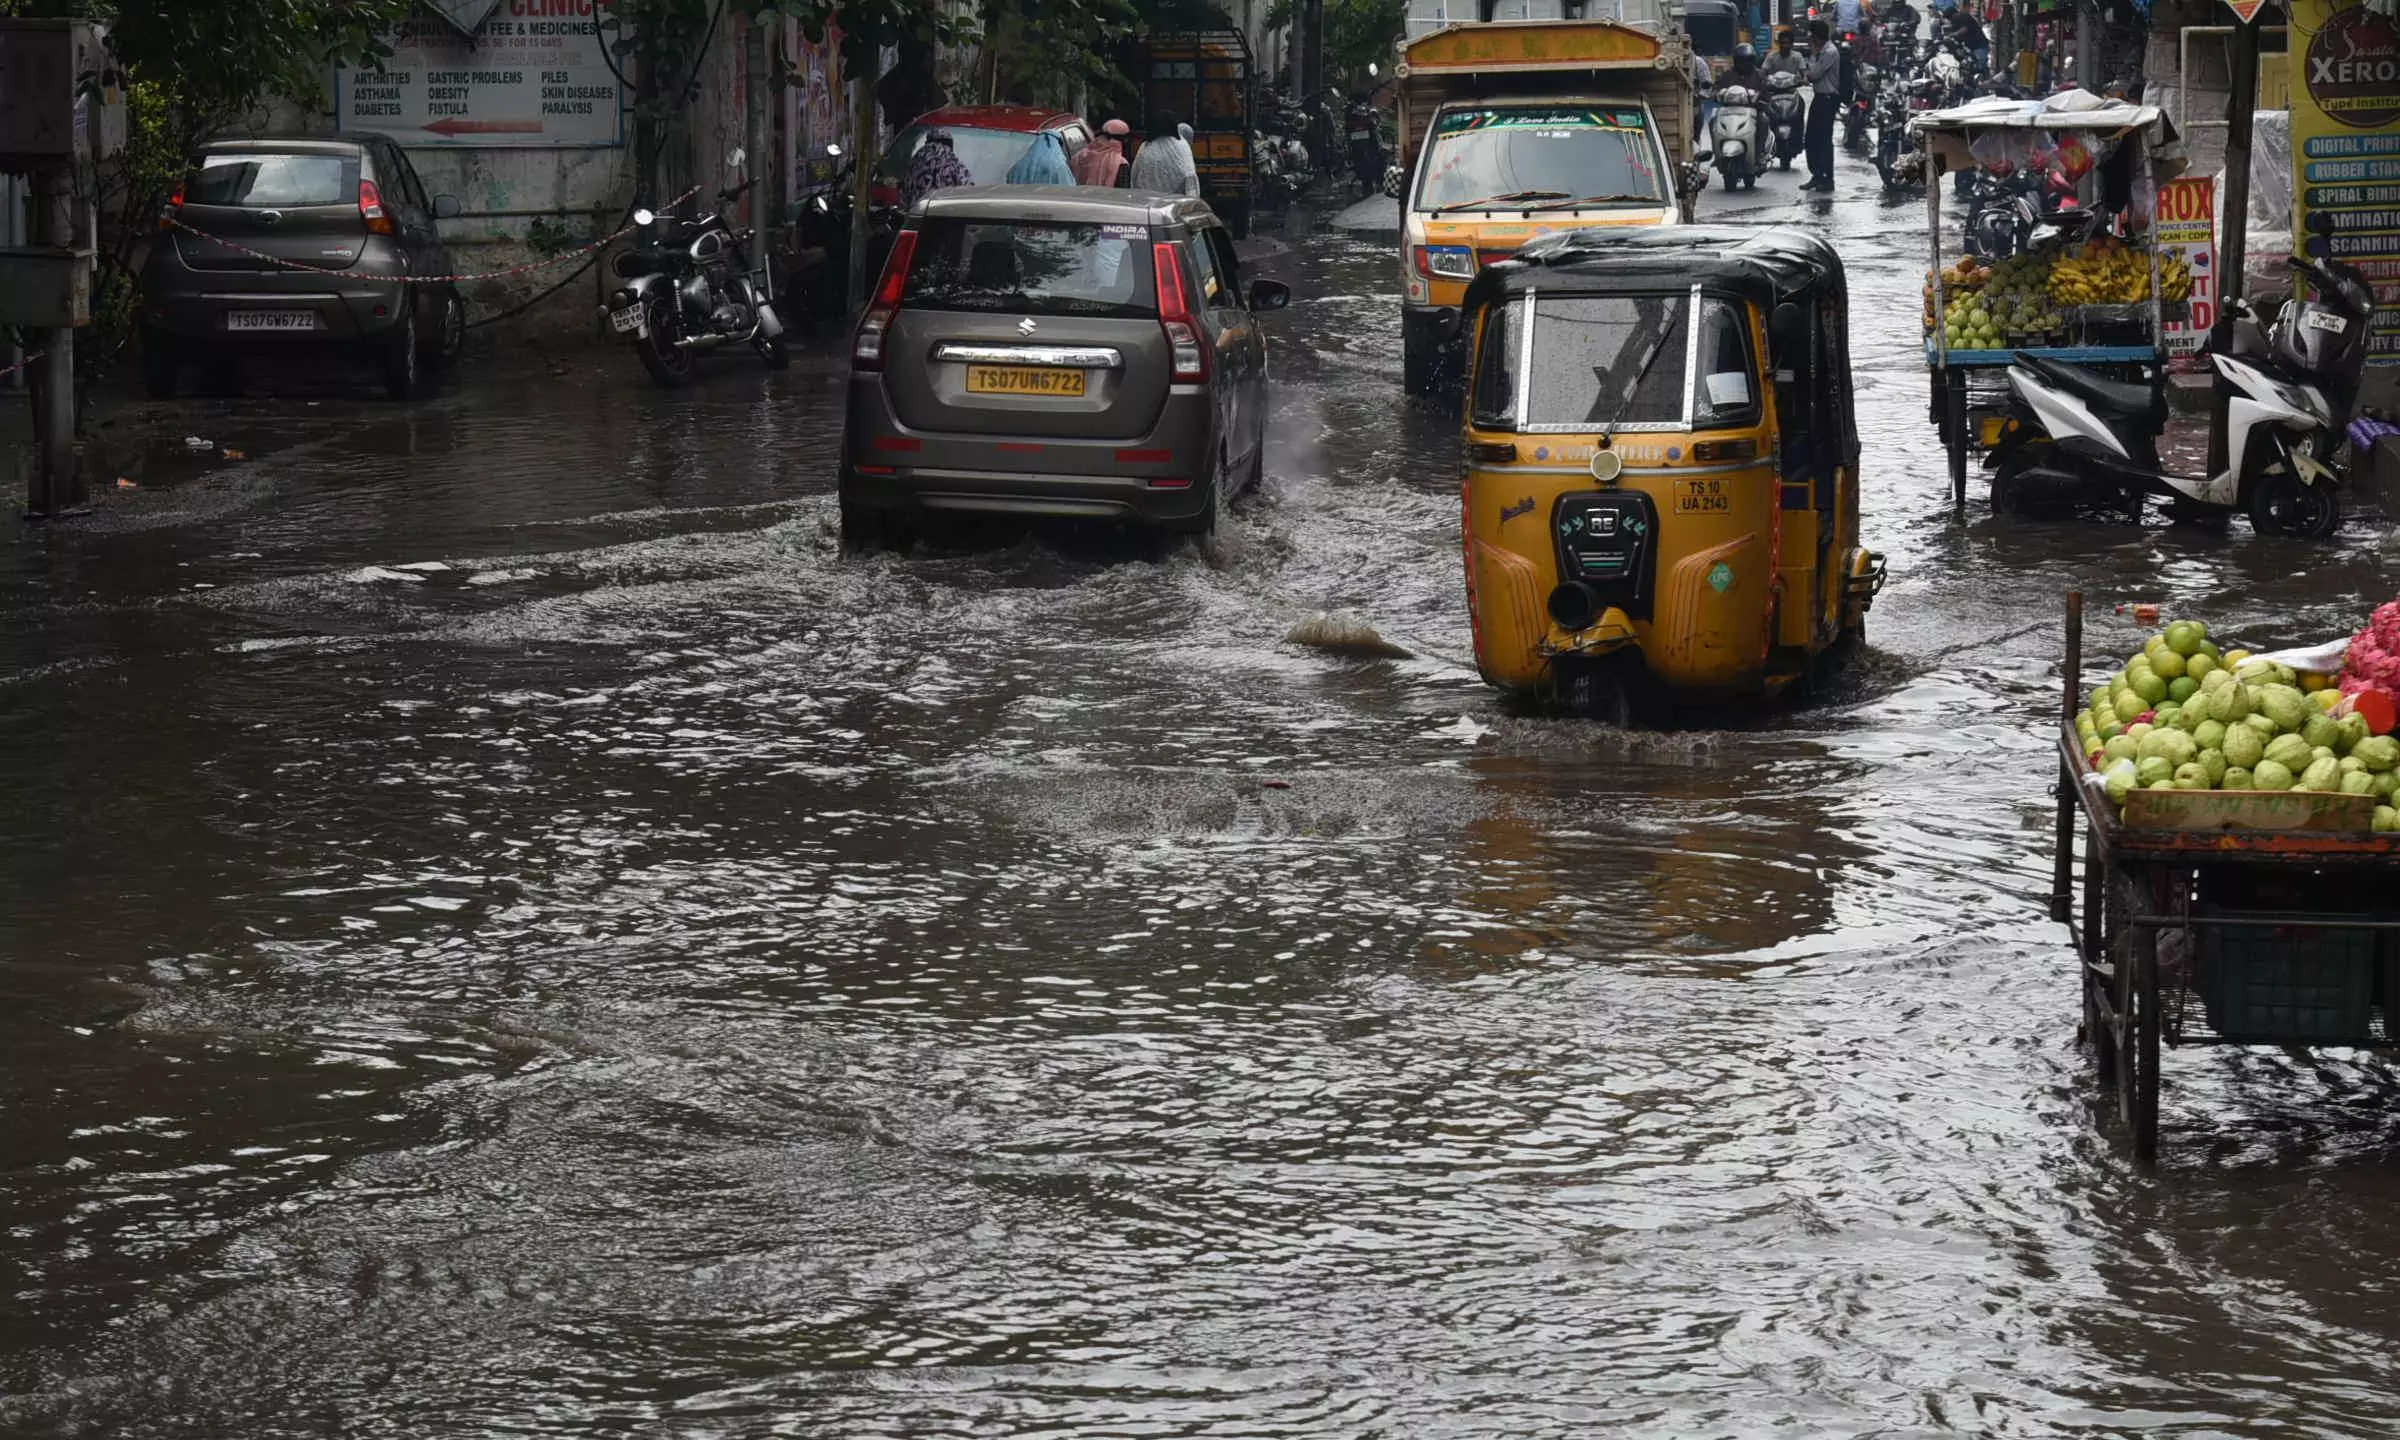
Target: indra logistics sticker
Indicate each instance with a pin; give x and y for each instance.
(1720, 577)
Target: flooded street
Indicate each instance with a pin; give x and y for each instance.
(509, 933)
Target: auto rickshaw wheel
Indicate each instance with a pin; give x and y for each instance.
(1593, 690)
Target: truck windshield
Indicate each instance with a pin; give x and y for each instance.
(1556, 155)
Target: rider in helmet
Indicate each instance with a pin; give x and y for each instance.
(1744, 71)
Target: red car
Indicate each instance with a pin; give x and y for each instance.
(988, 138)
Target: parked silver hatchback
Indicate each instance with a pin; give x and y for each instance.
(1056, 351)
(301, 242)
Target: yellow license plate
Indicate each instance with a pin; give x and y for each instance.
(1994, 426)
(1023, 380)
(1703, 497)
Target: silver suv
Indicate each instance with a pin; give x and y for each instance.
(1056, 351)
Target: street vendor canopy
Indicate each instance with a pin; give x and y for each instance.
(1951, 134)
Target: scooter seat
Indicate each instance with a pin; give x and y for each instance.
(2123, 399)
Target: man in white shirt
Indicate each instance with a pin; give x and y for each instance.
(1165, 161)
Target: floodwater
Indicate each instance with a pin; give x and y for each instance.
(506, 932)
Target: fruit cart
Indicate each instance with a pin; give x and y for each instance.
(2095, 300)
(2247, 917)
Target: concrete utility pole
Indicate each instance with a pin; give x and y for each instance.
(56, 487)
(2087, 44)
(2241, 104)
(863, 153)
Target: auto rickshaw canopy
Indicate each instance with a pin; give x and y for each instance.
(1764, 266)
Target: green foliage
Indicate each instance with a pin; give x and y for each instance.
(1359, 33)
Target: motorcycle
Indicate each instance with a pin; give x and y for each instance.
(1733, 136)
(1898, 161)
(1859, 105)
(695, 289)
(2073, 437)
(1786, 114)
(819, 272)
(2001, 213)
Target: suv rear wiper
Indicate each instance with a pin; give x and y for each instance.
(1582, 200)
(1489, 201)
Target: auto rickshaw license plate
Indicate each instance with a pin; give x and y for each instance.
(1702, 497)
(1023, 380)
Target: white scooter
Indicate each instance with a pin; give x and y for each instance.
(1733, 136)
(2076, 438)
(1787, 116)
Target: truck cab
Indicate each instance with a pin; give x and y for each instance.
(1513, 131)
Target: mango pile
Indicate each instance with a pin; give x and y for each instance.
(2183, 715)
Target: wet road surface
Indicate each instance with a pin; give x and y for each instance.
(507, 933)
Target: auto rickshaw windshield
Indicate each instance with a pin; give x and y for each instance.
(1592, 362)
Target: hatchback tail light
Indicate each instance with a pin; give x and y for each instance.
(1176, 318)
(866, 350)
(370, 209)
(174, 210)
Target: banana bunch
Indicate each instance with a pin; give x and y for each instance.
(2174, 279)
(2107, 272)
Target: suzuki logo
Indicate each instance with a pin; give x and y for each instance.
(269, 217)
(1026, 326)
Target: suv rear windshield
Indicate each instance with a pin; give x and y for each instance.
(255, 180)
(988, 154)
(1032, 267)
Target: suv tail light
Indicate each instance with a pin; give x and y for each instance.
(866, 350)
(1175, 316)
(370, 209)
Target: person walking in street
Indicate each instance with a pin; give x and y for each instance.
(935, 166)
(1824, 104)
(1043, 163)
(1100, 162)
(1165, 162)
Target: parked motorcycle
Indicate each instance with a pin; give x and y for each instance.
(1733, 136)
(818, 280)
(2073, 437)
(1785, 112)
(1859, 107)
(695, 288)
(2002, 210)
(1897, 159)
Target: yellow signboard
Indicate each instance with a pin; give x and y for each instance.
(2345, 82)
(1556, 42)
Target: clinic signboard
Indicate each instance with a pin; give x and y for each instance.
(2346, 151)
(533, 73)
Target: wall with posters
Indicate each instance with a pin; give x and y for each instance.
(2346, 155)
(512, 107)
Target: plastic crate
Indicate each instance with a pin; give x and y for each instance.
(2295, 982)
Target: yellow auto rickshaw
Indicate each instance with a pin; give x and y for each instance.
(1661, 466)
